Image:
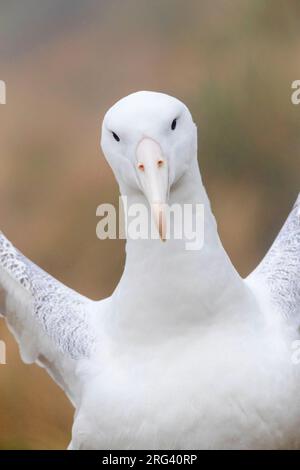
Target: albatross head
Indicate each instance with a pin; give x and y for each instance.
(149, 139)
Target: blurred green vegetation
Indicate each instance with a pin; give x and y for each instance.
(65, 63)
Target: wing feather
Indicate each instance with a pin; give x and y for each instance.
(51, 322)
(280, 268)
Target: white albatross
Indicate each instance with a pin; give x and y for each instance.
(185, 354)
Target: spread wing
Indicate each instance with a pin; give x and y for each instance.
(51, 322)
(279, 271)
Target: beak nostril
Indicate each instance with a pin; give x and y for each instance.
(154, 180)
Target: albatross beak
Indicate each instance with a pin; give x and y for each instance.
(153, 174)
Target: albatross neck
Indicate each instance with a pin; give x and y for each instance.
(165, 281)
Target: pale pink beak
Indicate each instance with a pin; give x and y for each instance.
(153, 174)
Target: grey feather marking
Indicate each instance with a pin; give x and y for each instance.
(61, 312)
(280, 268)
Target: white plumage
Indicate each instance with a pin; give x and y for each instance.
(185, 354)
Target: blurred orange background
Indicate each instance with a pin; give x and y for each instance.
(64, 63)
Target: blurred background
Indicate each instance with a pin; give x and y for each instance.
(64, 63)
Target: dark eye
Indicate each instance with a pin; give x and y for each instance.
(173, 125)
(116, 137)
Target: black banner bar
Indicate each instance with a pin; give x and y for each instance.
(137, 459)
